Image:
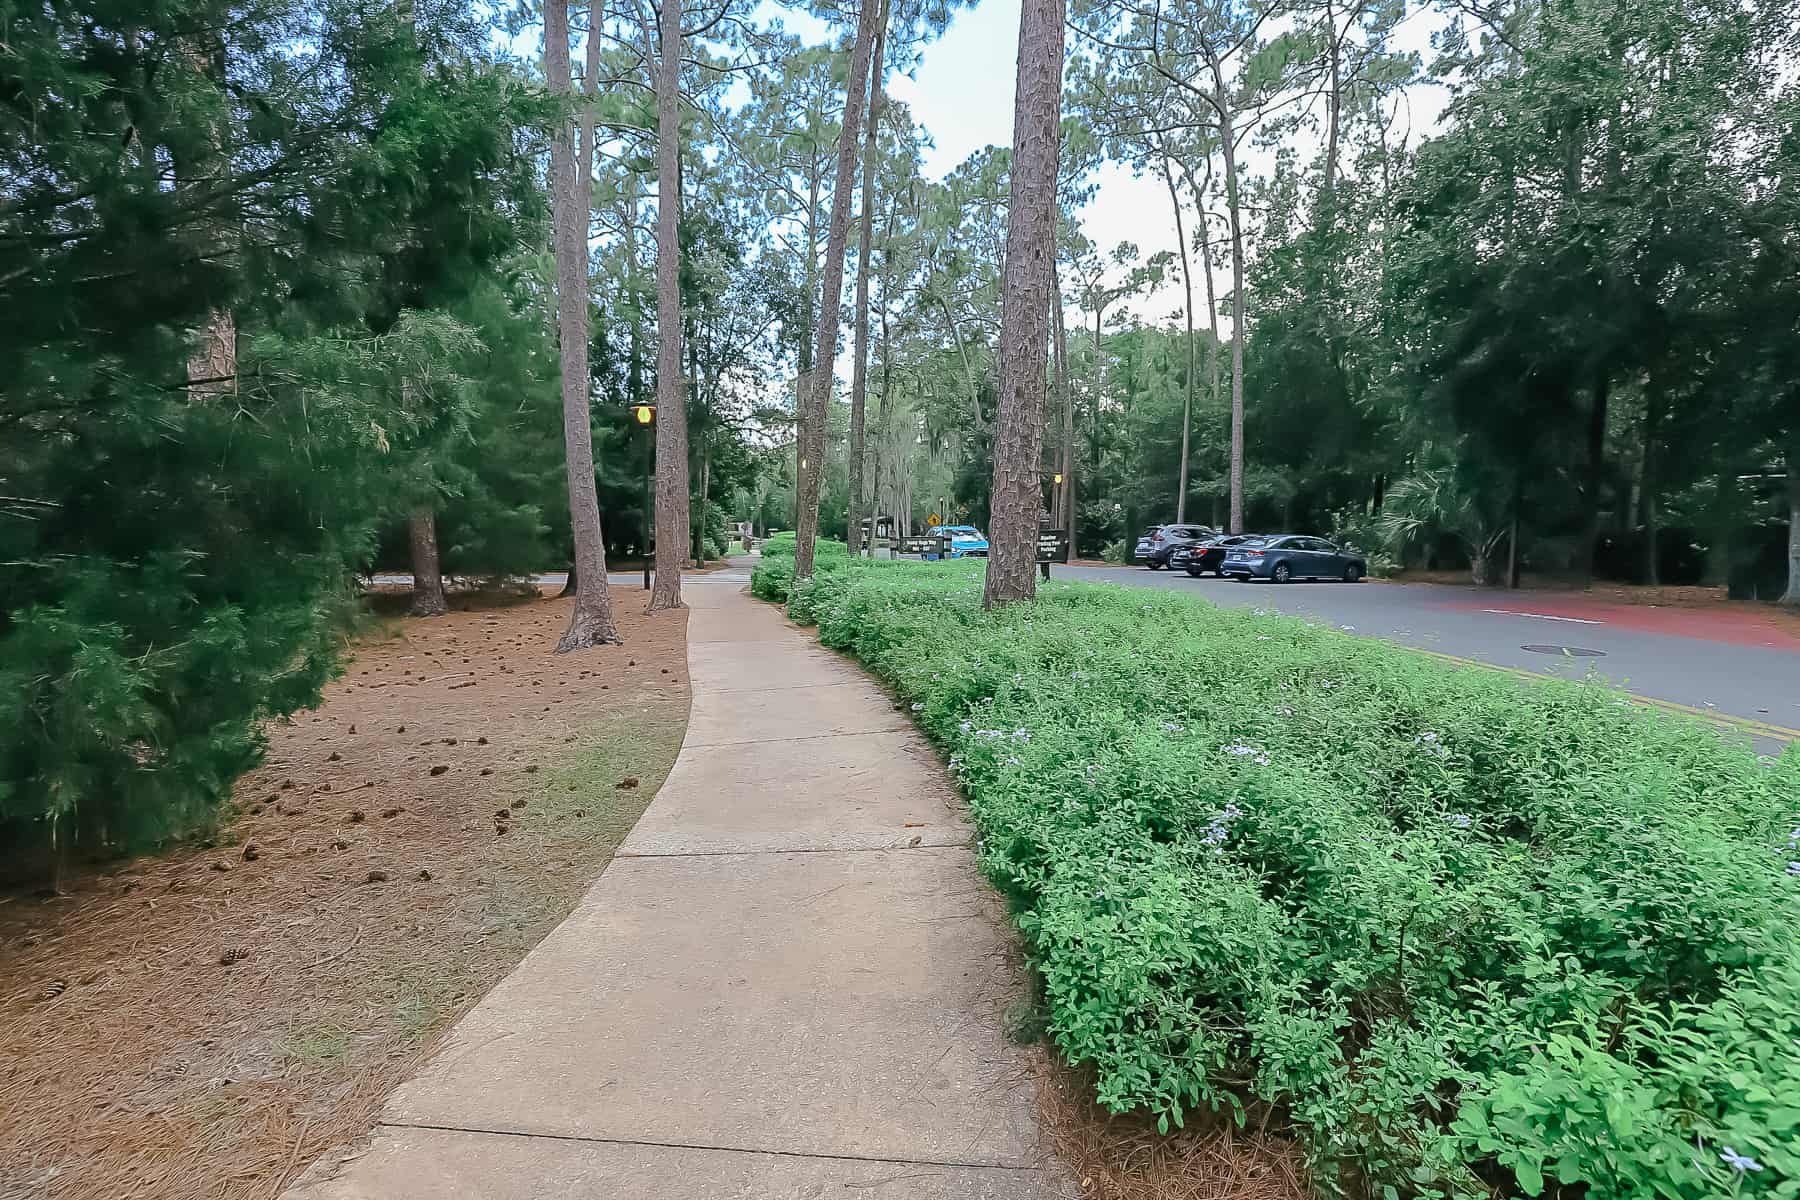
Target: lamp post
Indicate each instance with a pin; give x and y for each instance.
(645, 414)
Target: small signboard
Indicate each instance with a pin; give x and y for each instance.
(1053, 546)
(934, 520)
(932, 546)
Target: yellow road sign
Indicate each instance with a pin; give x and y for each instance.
(934, 519)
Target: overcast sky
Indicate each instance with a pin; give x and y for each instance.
(962, 95)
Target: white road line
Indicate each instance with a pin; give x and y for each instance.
(1507, 612)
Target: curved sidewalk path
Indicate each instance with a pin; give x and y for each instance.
(789, 983)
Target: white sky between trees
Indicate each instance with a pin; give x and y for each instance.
(962, 95)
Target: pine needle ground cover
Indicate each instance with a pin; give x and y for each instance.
(1463, 936)
(203, 1023)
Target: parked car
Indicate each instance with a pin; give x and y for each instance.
(1160, 541)
(1283, 557)
(1144, 542)
(1204, 556)
(966, 541)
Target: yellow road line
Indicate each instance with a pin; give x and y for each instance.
(1755, 728)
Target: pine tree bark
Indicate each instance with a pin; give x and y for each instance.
(428, 576)
(1234, 207)
(1065, 506)
(591, 622)
(815, 386)
(705, 499)
(1596, 470)
(859, 373)
(1099, 381)
(672, 498)
(1187, 312)
(1791, 597)
(212, 367)
(1212, 303)
(1025, 302)
(1648, 478)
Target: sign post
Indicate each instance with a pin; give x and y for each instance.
(1052, 547)
(932, 546)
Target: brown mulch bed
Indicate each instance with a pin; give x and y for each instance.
(1124, 1158)
(206, 1022)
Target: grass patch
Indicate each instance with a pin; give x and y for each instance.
(317, 1045)
(1459, 934)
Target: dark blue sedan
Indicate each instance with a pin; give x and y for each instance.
(1284, 557)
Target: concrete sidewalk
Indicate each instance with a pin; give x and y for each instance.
(790, 983)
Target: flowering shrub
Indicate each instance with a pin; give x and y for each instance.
(1461, 934)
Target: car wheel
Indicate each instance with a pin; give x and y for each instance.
(1154, 565)
(1282, 573)
(1352, 574)
(1195, 572)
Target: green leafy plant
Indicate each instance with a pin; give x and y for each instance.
(1460, 933)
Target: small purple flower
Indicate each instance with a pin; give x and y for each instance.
(1459, 820)
(1738, 1162)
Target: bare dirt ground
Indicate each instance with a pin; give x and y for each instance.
(206, 1022)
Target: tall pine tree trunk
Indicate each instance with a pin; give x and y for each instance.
(1025, 302)
(428, 576)
(591, 622)
(1596, 470)
(1187, 312)
(859, 372)
(672, 515)
(212, 367)
(705, 499)
(1234, 213)
(1065, 398)
(1648, 477)
(815, 390)
(1791, 597)
(1099, 382)
(1212, 304)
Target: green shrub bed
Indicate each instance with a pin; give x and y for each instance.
(1464, 936)
(773, 576)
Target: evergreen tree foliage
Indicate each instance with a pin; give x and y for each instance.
(178, 557)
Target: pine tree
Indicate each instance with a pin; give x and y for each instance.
(1025, 309)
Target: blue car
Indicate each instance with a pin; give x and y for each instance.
(966, 541)
(1284, 557)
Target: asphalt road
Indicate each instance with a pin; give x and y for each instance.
(1738, 674)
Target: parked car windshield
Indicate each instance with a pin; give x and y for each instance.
(962, 531)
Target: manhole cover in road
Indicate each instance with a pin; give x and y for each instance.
(1566, 651)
